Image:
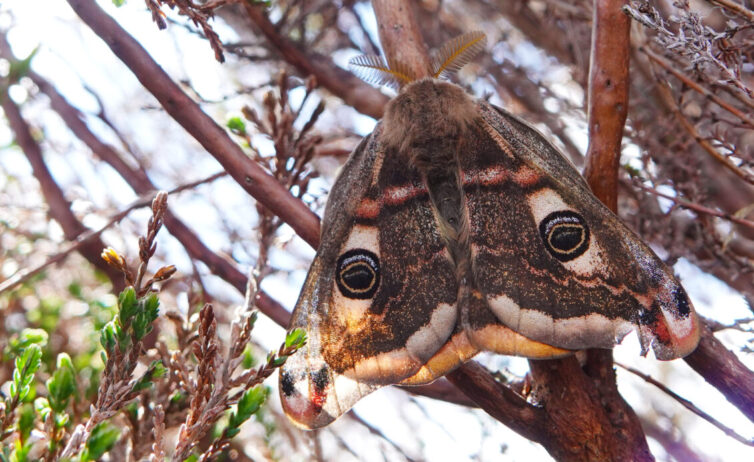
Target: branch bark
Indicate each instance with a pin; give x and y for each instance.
(401, 37)
(722, 369)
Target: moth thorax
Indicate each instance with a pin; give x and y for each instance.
(426, 113)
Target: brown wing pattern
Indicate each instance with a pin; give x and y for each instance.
(553, 263)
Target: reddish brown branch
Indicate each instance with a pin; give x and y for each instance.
(339, 82)
(607, 111)
(499, 401)
(262, 186)
(723, 370)
(59, 208)
(581, 425)
(400, 36)
(608, 98)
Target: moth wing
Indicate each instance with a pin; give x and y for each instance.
(372, 315)
(551, 261)
(487, 333)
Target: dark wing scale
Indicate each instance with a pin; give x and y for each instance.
(357, 345)
(514, 180)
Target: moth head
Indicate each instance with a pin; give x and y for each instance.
(449, 58)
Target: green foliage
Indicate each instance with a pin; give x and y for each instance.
(26, 366)
(133, 322)
(295, 338)
(102, 438)
(62, 385)
(18, 343)
(20, 67)
(26, 418)
(20, 451)
(248, 361)
(119, 3)
(247, 406)
(237, 126)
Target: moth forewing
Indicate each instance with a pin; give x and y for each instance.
(601, 284)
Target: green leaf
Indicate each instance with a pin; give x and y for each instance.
(247, 358)
(119, 3)
(27, 337)
(177, 397)
(26, 365)
(20, 67)
(62, 385)
(26, 421)
(149, 309)
(20, 451)
(107, 337)
(127, 305)
(247, 406)
(101, 440)
(237, 126)
(74, 289)
(42, 406)
(296, 337)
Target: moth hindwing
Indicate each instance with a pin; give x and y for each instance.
(454, 228)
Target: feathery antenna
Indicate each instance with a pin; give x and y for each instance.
(451, 57)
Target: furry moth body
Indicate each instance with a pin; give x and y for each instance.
(455, 228)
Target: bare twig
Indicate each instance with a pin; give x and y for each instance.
(666, 94)
(696, 87)
(341, 83)
(696, 207)
(689, 405)
(401, 37)
(26, 273)
(722, 369)
(736, 8)
(210, 135)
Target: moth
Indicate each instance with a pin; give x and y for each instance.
(453, 228)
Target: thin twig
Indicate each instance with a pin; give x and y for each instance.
(696, 87)
(696, 207)
(250, 176)
(688, 405)
(144, 201)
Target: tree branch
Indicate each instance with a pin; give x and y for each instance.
(722, 369)
(401, 37)
(262, 186)
(89, 247)
(362, 97)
